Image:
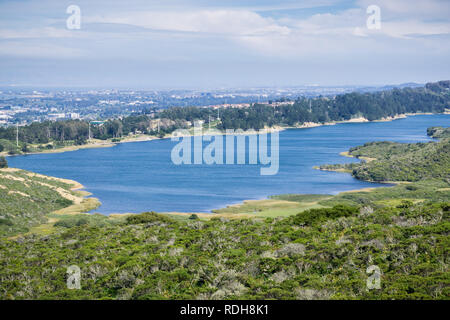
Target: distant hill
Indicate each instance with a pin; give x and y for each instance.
(403, 85)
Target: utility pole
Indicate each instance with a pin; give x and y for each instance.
(158, 125)
(89, 134)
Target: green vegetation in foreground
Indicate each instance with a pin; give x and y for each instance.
(316, 254)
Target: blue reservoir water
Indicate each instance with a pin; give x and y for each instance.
(140, 176)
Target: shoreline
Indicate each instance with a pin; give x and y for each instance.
(144, 137)
(81, 202)
(77, 207)
(229, 215)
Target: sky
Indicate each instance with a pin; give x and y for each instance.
(154, 44)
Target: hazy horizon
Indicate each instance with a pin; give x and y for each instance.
(204, 88)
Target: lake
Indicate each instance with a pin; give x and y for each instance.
(140, 176)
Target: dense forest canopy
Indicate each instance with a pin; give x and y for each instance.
(372, 106)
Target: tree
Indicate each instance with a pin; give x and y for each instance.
(3, 162)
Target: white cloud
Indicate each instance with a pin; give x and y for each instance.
(39, 50)
(285, 37)
(341, 23)
(339, 33)
(410, 28)
(225, 22)
(411, 9)
(353, 21)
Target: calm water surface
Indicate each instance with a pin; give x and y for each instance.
(139, 176)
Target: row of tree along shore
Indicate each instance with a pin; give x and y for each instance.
(38, 137)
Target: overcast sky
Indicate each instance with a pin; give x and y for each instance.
(234, 43)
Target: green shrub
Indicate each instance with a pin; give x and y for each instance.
(314, 216)
(405, 204)
(72, 222)
(64, 202)
(147, 217)
(5, 222)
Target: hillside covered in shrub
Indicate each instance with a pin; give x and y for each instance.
(26, 198)
(391, 161)
(316, 254)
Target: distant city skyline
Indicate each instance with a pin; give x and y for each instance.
(226, 44)
(330, 89)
